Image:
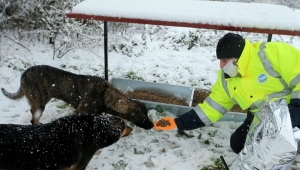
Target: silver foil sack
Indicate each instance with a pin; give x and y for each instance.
(271, 143)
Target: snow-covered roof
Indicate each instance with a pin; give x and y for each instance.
(249, 17)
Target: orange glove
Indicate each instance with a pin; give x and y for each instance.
(166, 123)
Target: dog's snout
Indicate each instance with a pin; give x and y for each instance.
(147, 124)
(127, 130)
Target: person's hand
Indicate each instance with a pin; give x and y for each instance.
(166, 123)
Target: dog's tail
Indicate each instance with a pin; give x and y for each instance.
(19, 94)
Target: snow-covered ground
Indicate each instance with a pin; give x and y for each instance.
(159, 56)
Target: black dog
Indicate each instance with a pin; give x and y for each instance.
(68, 142)
(87, 94)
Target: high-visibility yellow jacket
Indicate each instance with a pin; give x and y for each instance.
(267, 71)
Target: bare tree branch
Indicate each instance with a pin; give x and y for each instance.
(17, 42)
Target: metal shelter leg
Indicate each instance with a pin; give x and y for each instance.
(269, 37)
(224, 162)
(105, 51)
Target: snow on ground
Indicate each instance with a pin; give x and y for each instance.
(162, 60)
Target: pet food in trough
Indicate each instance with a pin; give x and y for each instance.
(147, 90)
(162, 97)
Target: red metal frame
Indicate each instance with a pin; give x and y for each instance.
(184, 24)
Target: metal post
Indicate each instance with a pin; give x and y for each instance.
(269, 37)
(224, 162)
(105, 51)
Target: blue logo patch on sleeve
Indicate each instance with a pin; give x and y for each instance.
(262, 78)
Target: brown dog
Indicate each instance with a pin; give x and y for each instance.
(66, 143)
(87, 94)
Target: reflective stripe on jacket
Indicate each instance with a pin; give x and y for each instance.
(267, 71)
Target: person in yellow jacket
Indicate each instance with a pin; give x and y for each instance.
(250, 74)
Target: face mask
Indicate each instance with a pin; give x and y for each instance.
(231, 69)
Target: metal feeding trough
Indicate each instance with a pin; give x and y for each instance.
(180, 92)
